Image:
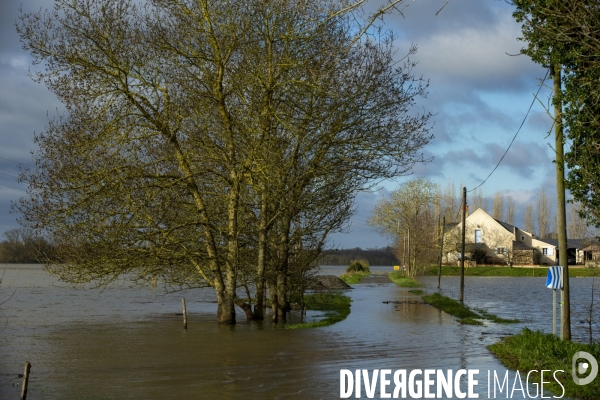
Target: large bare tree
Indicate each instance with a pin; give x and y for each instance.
(212, 142)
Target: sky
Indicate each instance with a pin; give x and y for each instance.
(479, 94)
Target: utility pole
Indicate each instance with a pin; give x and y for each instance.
(565, 323)
(462, 253)
(441, 251)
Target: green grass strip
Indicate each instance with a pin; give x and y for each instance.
(399, 279)
(464, 314)
(354, 277)
(535, 350)
(335, 305)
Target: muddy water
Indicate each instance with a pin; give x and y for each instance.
(124, 342)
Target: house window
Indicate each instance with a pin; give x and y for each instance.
(478, 236)
(501, 250)
(547, 251)
(522, 238)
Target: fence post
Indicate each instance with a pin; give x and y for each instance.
(184, 313)
(25, 380)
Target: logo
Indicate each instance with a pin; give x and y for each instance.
(582, 367)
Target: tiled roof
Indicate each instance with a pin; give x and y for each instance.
(506, 226)
(571, 243)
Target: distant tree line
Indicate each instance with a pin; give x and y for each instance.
(20, 246)
(378, 256)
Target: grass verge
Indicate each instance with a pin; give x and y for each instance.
(505, 271)
(399, 279)
(354, 277)
(464, 314)
(536, 351)
(336, 308)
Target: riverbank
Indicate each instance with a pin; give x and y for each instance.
(354, 277)
(336, 308)
(540, 271)
(536, 351)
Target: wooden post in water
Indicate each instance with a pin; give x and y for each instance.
(25, 380)
(184, 313)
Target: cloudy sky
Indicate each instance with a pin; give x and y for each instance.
(478, 93)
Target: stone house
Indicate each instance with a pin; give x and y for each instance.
(503, 243)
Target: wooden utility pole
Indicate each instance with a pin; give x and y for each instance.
(565, 323)
(441, 251)
(462, 253)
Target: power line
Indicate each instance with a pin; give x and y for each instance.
(514, 137)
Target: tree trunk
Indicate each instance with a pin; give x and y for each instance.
(282, 303)
(262, 250)
(225, 307)
(282, 270)
(246, 307)
(274, 304)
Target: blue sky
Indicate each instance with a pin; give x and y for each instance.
(478, 93)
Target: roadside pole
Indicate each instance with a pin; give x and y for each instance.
(441, 252)
(462, 253)
(554, 281)
(565, 310)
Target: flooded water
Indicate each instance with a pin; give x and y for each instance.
(124, 342)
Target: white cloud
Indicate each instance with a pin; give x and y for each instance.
(476, 57)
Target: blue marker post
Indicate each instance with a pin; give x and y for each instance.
(554, 281)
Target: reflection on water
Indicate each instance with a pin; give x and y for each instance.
(126, 342)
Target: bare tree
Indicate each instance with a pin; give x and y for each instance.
(577, 227)
(450, 202)
(529, 222)
(510, 210)
(498, 206)
(543, 214)
(478, 200)
(410, 211)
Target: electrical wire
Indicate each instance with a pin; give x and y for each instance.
(514, 137)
